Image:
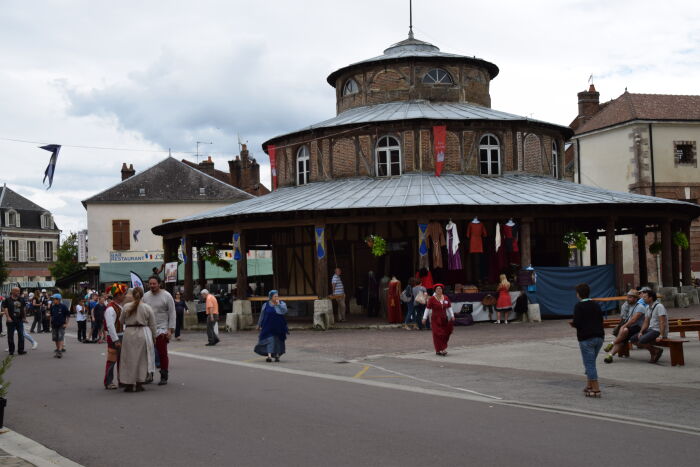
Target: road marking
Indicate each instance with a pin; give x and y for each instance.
(361, 372)
(469, 395)
(258, 359)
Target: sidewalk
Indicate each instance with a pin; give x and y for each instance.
(19, 451)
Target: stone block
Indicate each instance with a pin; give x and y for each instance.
(533, 313)
(241, 317)
(682, 300)
(323, 314)
(692, 292)
(668, 296)
(354, 308)
(190, 319)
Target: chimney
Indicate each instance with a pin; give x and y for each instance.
(245, 172)
(588, 104)
(127, 171)
(207, 166)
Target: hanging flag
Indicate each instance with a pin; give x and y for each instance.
(184, 254)
(51, 168)
(136, 280)
(237, 246)
(439, 136)
(320, 243)
(422, 245)
(271, 151)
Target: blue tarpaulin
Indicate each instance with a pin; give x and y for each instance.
(556, 288)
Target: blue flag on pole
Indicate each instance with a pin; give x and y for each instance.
(51, 168)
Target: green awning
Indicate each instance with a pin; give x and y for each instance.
(120, 272)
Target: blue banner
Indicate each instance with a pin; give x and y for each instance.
(237, 246)
(422, 245)
(320, 242)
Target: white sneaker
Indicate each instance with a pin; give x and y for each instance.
(498, 321)
(35, 344)
(506, 321)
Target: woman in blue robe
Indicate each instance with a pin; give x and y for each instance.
(273, 328)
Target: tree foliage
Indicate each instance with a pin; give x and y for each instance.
(66, 258)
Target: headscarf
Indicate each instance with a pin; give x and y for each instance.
(281, 308)
(271, 293)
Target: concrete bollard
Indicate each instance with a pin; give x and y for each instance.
(323, 314)
(533, 313)
(668, 296)
(682, 301)
(241, 317)
(692, 293)
(190, 319)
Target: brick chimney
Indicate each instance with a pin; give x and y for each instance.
(207, 166)
(588, 104)
(245, 172)
(127, 171)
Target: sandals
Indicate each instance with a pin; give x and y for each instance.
(591, 393)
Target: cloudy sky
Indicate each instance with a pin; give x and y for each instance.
(126, 81)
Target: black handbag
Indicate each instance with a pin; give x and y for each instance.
(467, 309)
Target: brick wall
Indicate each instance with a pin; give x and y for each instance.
(409, 156)
(532, 154)
(343, 157)
(471, 152)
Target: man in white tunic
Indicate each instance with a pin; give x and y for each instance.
(163, 307)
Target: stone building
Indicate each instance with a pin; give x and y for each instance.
(644, 144)
(29, 239)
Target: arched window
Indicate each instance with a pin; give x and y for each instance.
(555, 159)
(350, 87)
(303, 165)
(489, 155)
(388, 155)
(437, 76)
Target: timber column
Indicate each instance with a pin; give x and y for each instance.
(686, 258)
(610, 241)
(189, 282)
(675, 264)
(642, 257)
(525, 242)
(322, 278)
(240, 254)
(666, 254)
(593, 241)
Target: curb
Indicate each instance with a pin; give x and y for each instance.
(24, 448)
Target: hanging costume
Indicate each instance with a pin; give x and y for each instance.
(394, 301)
(436, 237)
(476, 233)
(454, 261)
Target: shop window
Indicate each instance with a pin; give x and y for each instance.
(437, 76)
(48, 252)
(351, 87)
(685, 153)
(555, 160)
(121, 239)
(13, 250)
(303, 171)
(31, 251)
(388, 156)
(489, 155)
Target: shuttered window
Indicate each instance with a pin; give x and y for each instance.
(120, 235)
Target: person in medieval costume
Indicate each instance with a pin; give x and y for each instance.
(139, 323)
(113, 331)
(273, 328)
(439, 311)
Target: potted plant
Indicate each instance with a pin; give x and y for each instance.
(377, 245)
(655, 248)
(681, 241)
(4, 385)
(576, 239)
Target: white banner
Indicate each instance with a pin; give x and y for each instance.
(82, 246)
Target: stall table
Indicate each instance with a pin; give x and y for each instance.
(479, 314)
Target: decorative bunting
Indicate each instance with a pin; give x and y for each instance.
(320, 242)
(237, 246)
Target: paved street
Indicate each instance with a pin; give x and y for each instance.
(506, 395)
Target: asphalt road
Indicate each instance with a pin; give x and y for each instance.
(214, 413)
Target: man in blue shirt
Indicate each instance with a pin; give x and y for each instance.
(59, 322)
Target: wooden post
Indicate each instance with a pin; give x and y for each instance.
(619, 269)
(666, 253)
(242, 270)
(675, 264)
(322, 278)
(610, 241)
(201, 271)
(189, 282)
(525, 243)
(686, 258)
(593, 240)
(642, 257)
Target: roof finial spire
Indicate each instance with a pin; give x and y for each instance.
(410, 19)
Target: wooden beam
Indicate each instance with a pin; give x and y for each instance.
(593, 240)
(610, 241)
(525, 242)
(189, 281)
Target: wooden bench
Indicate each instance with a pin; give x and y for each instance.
(675, 346)
(684, 326)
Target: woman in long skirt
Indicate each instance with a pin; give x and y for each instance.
(273, 328)
(139, 323)
(503, 304)
(439, 311)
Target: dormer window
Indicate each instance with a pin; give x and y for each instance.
(142, 192)
(202, 191)
(12, 218)
(46, 221)
(437, 76)
(388, 154)
(303, 171)
(351, 87)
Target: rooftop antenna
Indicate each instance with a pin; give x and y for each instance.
(410, 19)
(198, 143)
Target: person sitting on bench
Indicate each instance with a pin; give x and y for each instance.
(655, 325)
(631, 321)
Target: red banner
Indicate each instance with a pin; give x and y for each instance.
(439, 137)
(271, 151)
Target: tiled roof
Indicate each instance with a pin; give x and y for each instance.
(11, 199)
(629, 107)
(169, 181)
(417, 190)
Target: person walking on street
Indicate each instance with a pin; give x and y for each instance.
(81, 319)
(339, 293)
(113, 331)
(212, 310)
(180, 310)
(36, 311)
(60, 314)
(97, 315)
(588, 321)
(439, 311)
(163, 306)
(45, 311)
(13, 307)
(420, 300)
(139, 325)
(273, 328)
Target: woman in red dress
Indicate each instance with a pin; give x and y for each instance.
(439, 311)
(503, 304)
(393, 300)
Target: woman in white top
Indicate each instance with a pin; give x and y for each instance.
(81, 318)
